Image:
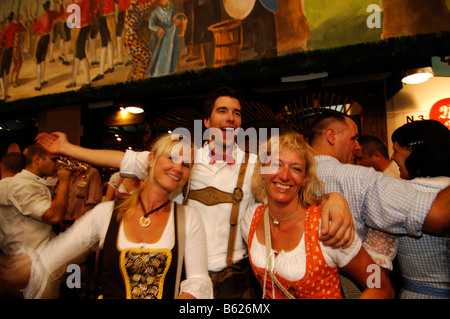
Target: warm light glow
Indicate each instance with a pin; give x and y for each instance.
(418, 76)
(134, 109)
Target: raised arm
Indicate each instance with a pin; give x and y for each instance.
(55, 214)
(57, 143)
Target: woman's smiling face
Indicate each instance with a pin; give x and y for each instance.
(288, 177)
(399, 156)
(171, 173)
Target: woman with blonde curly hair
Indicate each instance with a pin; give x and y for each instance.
(282, 235)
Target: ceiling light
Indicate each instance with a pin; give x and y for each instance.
(415, 76)
(134, 109)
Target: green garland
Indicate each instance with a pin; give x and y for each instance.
(387, 55)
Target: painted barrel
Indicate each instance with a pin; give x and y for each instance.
(228, 42)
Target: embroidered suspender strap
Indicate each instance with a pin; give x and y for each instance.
(211, 196)
(269, 251)
(238, 194)
(181, 238)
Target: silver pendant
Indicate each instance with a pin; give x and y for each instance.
(276, 222)
(144, 221)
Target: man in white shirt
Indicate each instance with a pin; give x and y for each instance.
(374, 153)
(27, 211)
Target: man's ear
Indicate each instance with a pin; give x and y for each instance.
(330, 135)
(206, 122)
(36, 159)
(377, 155)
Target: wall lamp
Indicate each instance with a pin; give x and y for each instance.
(133, 109)
(415, 76)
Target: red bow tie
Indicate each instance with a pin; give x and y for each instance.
(215, 156)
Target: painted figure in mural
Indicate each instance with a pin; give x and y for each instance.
(92, 42)
(122, 11)
(260, 29)
(106, 26)
(7, 37)
(204, 14)
(134, 44)
(61, 31)
(88, 9)
(17, 59)
(43, 26)
(164, 23)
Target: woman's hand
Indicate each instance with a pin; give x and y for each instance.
(53, 143)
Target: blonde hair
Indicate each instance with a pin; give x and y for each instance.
(166, 144)
(292, 141)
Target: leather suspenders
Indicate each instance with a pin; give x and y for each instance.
(212, 196)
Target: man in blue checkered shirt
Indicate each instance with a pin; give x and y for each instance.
(375, 199)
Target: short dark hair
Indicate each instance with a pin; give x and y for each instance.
(13, 162)
(35, 149)
(429, 142)
(370, 144)
(208, 104)
(322, 121)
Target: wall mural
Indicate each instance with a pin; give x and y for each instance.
(120, 40)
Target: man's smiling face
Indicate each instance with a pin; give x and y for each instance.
(225, 116)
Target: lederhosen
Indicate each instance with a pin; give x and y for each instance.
(237, 280)
(139, 273)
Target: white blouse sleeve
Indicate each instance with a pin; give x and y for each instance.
(197, 282)
(50, 261)
(382, 247)
(340, 257)
(134, 164)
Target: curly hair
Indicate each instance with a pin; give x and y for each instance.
(292, 141)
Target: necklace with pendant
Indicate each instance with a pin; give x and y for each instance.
(144, 221)
(276, 221)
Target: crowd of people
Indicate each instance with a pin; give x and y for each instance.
(314, 216)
